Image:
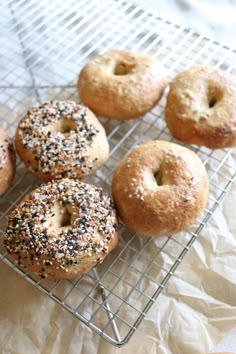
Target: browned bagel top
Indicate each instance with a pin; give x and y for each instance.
(121, 84)
(201, 107)
(7, 161)
(59, 222)
(160, 188)
(5, 147)
(56, 137)
(207, 93)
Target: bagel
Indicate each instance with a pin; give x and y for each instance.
(160, 188)
(201, 107)
(121, 84)
(7, 162)
(59, 139)
(62, 229)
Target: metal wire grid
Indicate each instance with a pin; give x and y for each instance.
(46, 46)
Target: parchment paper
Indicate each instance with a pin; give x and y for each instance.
(193, 313)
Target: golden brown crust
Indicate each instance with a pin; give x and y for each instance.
(62, 229)
(201, 107)
(121, 84)
(7, 162)
(61, 139)
(160, 188)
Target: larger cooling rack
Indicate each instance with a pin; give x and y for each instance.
(44, 45)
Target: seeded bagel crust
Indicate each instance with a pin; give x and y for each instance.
(7, 162)
(201, 107)
(62, 229)
(160, 188)
(121, 84)
(61, 139)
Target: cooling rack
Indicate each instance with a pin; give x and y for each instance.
(44, 45)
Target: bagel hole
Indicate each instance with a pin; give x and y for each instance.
(66, 126)
(214, 95)
(212, 101)
(122, 68)
(66, 218)
(158, 178)
(62, 217)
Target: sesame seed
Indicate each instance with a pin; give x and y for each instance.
(53, 150)
(57, 246)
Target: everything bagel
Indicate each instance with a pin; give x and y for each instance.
(7, 162)
(61, 139)
(62, 229)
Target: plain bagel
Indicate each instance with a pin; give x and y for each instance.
(62, 229)
(160, 188)
(121, 84)
(61, 139)
(201, 107)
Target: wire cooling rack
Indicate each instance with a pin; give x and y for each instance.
(44, 45)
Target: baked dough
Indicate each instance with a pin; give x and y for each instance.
(160, 188)
(61, 139)
(201, 107)
(7, 162)
(62, 229)
(121, 84)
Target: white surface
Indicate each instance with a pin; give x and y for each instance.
(215, 19)
(229, 342)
